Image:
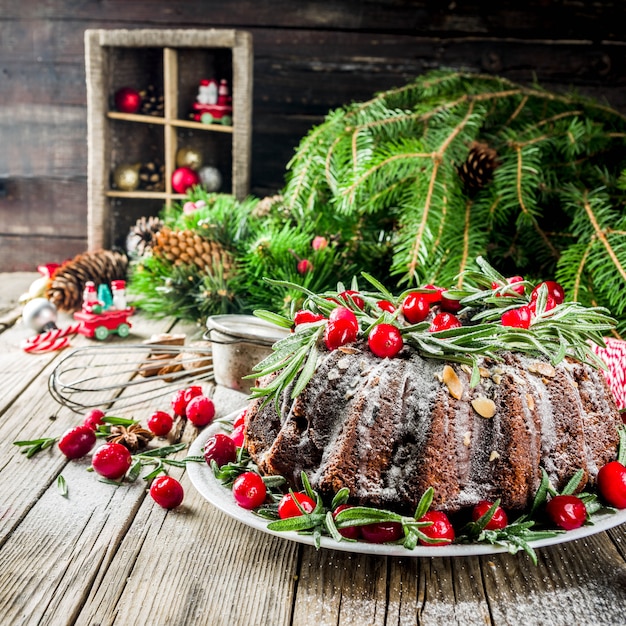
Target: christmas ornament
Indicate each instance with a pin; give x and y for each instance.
(126, 177)
(183, 178)
(189, 157)
(127, 100)
(40, 314)
(211, 178)
(68, 283)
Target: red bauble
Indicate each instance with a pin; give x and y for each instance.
(127, 100)
(183, 178)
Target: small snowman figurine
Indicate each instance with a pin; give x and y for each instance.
(207, 92)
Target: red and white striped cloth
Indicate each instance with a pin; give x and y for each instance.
(614, 355)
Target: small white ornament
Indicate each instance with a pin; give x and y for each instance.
(211, 178)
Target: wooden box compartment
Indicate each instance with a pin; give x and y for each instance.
(167, 66)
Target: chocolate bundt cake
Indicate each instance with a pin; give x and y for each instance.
(387, 429)
(475, 425)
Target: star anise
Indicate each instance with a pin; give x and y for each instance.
(134, 437)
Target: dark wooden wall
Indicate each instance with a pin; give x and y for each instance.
(310, 57)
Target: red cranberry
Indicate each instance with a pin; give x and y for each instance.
(567, 512)
(499, 519)
(249, 490)
(517, 318)
(238, 435)
(306, 317)
(221, 449)
(513, 284)
(339, 333)
(287, 506)
(444, 321)
(352, 296)
(240, 419)
(304, 267)
(612, 484)
(382, 532)
(550, 304)
(450, 304)
(440, 529)
(435, 294)
(167, 492)
(415, 307)
(77, 441)
(200, 411)
(555, 291)
(350, 532)
(111, 460)
(160, 423)
(343, 313)
(385, 340)
(181, 399)
(385, 305)
(93, 418)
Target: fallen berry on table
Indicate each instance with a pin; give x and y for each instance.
(415, 307)
(249, 490)
(93, 418)
(160, 423)
(567, 512)
(498, 520)
(441, 528)
(167, 492)
(182, 397)
(77, 441)
(111, 460)
(385, 340)
(200, 411)
(220, 448)
(612, 484)
(349, 532)
(382, 532)
(444, 321)
(287, 506)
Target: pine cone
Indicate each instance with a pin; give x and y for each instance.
(478, 168)
(152, 103)
(152, 176)
(141, 236)
(186, 247)
(135, 437)
(68, 281)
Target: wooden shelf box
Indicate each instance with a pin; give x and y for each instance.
(173, 62)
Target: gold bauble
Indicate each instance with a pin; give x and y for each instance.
(189, 157)
(126, 177)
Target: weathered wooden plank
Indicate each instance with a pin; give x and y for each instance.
(23, 253)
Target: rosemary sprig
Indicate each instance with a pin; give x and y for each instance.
(33, 446)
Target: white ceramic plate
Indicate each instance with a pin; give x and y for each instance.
(205, 482)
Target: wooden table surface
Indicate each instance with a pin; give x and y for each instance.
(110, 555)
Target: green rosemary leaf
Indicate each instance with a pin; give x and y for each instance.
(33, 446)
(424, 503)
(274, 482)
(379, 287)
(573, 483)
(194, 459)
(134, 471)
(361, 515)
(274, 318)
(542, 493)
(332, 528)
(341, 497)
(302, 522)
(118, 421)
(163, 451)
(174, 462)
(62, 485)
(621, 456)
(410, 539)
(154, 473)
(306, 373)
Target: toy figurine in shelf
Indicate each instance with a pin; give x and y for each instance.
(104, 311)
(213, 104)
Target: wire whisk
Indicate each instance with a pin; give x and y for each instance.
(119, 376)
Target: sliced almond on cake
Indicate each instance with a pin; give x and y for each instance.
(452, 382)
(484, 406)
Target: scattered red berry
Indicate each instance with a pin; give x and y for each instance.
(435, 295)
(415, 307)
(249, 490)
(77, 441)
(343, 313)
(550, 304)
(306, 317)
(450, 304)
(385, 340)
(339, 333)
(499, 519)
(440, 529)
(160, 423)
(287, 506)
(385, 305)
(513, 284)
(200, 411)
(305, 266)
(444, 321)
(93, 418)
(517, 318)
(219, 448)
(167, 492)
(612, 484)
(350, 532)
(555, 291)
(352, 296)
(238, 435)
(567, 512)
(181, 399)
(382, 532)
(111, 460)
